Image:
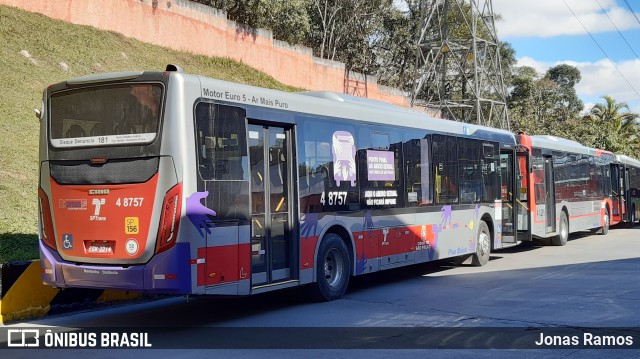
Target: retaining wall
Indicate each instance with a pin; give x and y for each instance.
(189, 26)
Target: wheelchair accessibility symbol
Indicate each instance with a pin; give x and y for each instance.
(67, 241)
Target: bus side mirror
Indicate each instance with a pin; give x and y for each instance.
(38, 113)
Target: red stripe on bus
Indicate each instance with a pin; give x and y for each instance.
(308, 252)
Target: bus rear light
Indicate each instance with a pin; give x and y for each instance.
(170, 219)
(46, 223)
(98, 160)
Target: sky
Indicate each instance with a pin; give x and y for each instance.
(600, 37)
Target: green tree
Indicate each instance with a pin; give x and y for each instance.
(288, 20)
(566, 104)
(545, 104)
(526, 101)
(507, 62)
(396, 50)
(617, 128)
(348, 31)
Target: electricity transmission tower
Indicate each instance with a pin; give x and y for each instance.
(458, 70)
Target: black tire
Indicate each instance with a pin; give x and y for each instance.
(632, 220)
(605, 229)
(333, 269)
(483, 245)
(563, 231)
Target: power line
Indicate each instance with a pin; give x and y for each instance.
(633, 12)
(601, 49)
(614, 25)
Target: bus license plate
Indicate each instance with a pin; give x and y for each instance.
(100, 248)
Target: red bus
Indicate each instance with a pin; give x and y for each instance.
(570, 187)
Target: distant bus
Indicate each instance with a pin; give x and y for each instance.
(167, 182)
(570, 187)
(626, 188)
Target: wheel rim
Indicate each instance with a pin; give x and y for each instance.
(333, 265)
(564, 231)
(606, 220)
(483, 241)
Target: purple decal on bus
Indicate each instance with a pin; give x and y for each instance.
(446, 215)
(436, 229)
(361, 264)
(199, 215)
(380, 166)
(308, 224)
(368, 220)
(344, 157)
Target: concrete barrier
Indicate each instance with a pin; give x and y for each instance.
(22, 294)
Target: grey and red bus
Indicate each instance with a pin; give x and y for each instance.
(569, 187)
(167, 182)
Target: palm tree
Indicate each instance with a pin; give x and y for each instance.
(618, 127)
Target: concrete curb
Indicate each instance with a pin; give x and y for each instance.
(22, 294)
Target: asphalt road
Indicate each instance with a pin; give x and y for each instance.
(593, 281)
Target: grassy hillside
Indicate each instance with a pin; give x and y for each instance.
(57, 51)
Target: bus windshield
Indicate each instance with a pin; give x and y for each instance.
(105, 115)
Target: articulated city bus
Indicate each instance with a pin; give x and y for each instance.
(626, 187)
(167, 182)
(570, 187)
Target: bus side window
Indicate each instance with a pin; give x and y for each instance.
(470, 170)
(222, 159)
(445, 168)
(491, 172)
(416, 154)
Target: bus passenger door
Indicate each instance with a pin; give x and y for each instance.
(507, 195)
(626, 195)
(550, 195)
(271, 222)
(523, 222)
(617, 188)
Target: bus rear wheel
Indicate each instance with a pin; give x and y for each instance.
(332, 269)
(605, 229)
(632, 220)
(483, 245)
(563, 232)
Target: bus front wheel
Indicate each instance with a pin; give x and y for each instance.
(332, 269)
(483, 245)
(563, 233)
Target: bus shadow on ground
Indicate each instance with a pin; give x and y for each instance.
(201, 310)
(213, 311)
